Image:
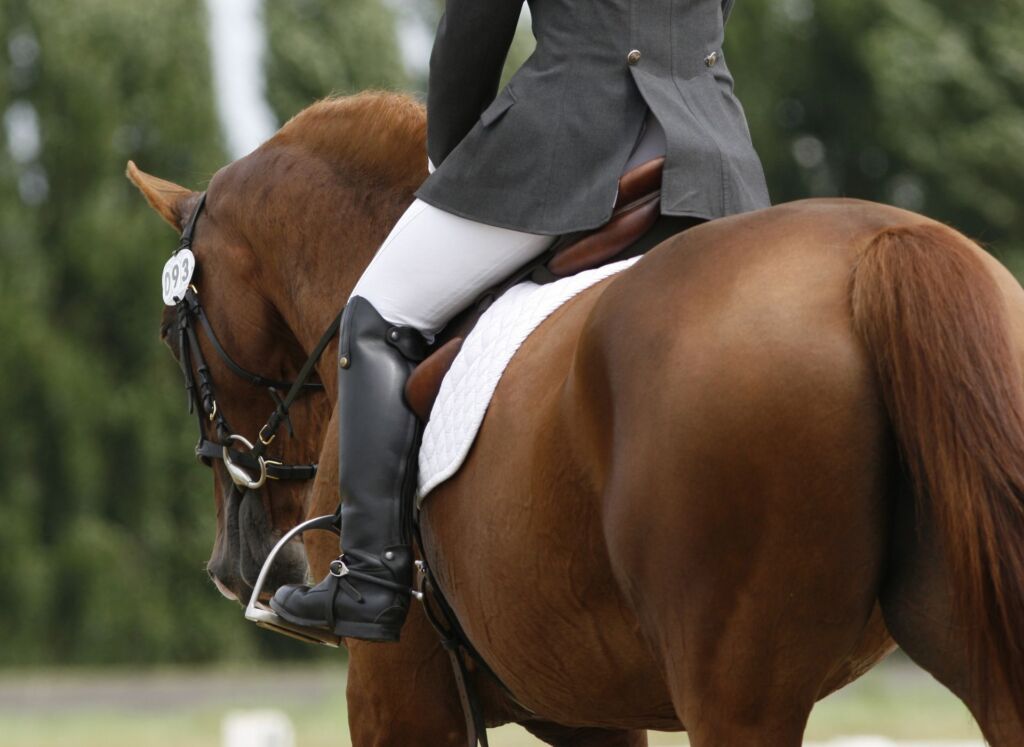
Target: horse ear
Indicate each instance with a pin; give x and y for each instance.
(174, 203)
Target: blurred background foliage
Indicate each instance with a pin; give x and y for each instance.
(105, 518)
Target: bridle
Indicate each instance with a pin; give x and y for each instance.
(241, 465)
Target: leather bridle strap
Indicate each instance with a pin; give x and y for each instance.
(201, 391)
(280, 413)
(275, 470)
(200, 385)
(242, 373)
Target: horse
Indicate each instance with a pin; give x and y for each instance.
(708, 491)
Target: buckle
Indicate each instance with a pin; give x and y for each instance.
(272, 463)
(265, 440)
(419, 588)
(338, 568)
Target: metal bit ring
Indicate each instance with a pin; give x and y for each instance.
(239, 476)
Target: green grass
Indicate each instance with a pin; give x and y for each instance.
(895, 700)
(185, 708)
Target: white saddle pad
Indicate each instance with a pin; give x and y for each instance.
(467, 388)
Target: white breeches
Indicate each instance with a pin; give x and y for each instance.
(433, 264)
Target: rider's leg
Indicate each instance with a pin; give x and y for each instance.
(432, 265)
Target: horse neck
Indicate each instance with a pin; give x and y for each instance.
(319, 255)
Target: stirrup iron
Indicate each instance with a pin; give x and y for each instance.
(265, 617)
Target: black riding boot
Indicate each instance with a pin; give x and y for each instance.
(366, 595)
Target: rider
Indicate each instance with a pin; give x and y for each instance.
(610, 85)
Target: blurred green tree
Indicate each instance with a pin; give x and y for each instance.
(106, 518)
(918, 103)
(106, 521)
(321, 47)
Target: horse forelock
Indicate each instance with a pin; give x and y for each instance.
(375, 135)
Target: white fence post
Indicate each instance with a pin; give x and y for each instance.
(257, 729)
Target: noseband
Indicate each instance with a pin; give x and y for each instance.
(250, 468)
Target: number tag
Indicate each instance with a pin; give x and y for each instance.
(177, 275)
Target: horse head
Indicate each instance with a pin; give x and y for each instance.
(281, 238)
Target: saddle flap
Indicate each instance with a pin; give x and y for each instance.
(597, 248)
(425, 381)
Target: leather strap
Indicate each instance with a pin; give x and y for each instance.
(200, 389)
(199, 383)
(206, 450)
(253, 378)
(268, 431)
(452, 642)
(185, 242)
(476, 727)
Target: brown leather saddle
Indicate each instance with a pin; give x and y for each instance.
(636, 225)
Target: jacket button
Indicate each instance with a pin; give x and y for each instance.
(711, 59)
(633, 57)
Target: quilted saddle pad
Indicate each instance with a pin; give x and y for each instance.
(467, 388)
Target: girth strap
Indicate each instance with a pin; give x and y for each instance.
(476, 727)
(452, 640)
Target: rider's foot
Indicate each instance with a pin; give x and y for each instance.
(362, 597)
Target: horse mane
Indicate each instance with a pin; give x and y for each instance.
(374, 135)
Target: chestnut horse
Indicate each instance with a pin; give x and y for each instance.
(707, 489)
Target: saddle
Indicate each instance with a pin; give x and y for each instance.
(636, 225)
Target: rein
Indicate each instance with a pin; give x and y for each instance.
(241, 465)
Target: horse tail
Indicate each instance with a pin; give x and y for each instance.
(935, 323)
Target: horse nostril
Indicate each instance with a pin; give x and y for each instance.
(215, 576)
